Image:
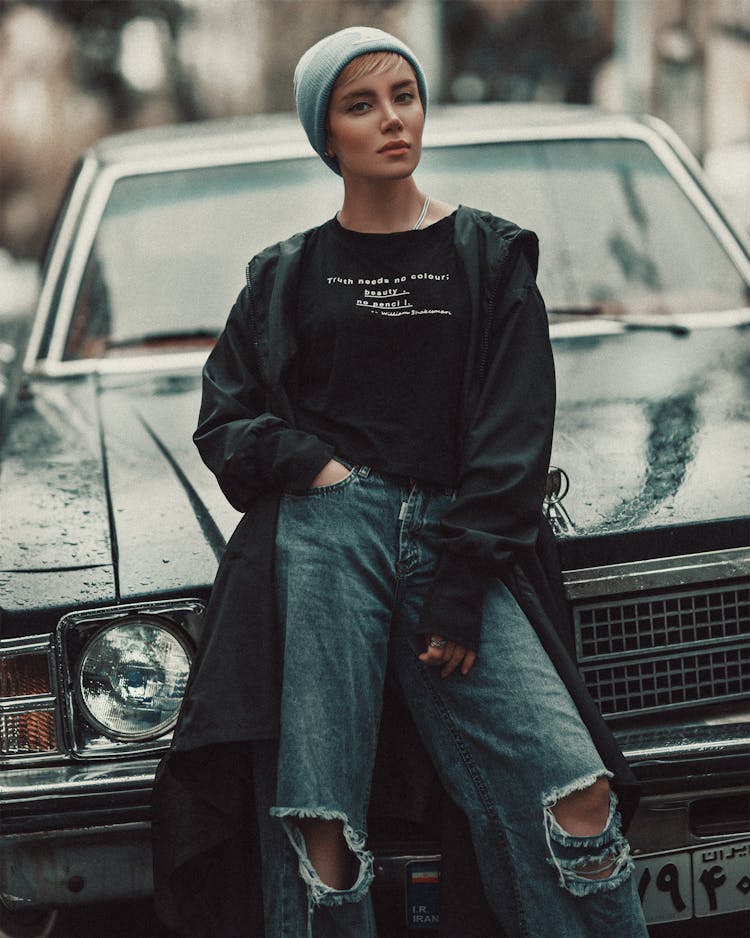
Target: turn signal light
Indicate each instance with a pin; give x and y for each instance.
(29, 731)
(24, 675)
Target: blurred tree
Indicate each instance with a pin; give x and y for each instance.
(71, 71)
(100, 28)
(524, 50)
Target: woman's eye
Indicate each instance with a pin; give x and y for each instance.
(405, 97)
(359, 107)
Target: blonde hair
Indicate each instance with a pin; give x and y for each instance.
(369, 63)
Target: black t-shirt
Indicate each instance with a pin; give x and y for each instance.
(382, 327)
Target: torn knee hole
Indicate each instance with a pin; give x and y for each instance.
(333, 860)
(585, 811)
(584, 836)
(328, 851)
(591, 873)
(597, 869)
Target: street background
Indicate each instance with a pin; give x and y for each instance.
(73, 70)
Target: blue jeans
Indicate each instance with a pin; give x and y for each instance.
(353, 563)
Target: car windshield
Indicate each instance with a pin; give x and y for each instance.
(618, 236)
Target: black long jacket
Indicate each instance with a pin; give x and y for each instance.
(205, 837)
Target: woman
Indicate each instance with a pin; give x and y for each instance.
(381, 405)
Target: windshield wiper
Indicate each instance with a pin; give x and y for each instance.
(601, 310)
(614, 311)
(575, 320)
(656, 325)
(159, 338)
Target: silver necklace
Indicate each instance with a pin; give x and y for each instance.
(423, 213)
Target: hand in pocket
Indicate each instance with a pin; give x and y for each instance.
(330, 474)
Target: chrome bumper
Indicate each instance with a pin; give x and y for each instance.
(81, 833)
(76, 834)
(68, 867)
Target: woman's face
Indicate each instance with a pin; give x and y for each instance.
(375, 124)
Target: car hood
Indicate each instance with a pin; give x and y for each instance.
(652, 432)
(104, 498)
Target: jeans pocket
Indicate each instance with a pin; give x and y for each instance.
(326, 489)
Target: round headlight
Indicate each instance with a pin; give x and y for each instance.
(131, 677)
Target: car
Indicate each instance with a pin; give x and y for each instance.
(112, 527)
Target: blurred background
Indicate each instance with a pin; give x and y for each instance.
(73, 70)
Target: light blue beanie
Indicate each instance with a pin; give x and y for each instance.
(321, 65)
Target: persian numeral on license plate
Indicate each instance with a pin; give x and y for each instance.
(712, 880)
(721, 878)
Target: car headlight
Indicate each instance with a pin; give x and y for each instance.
(131, 677)
(122, 672)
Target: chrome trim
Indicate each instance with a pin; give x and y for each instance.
(689, 160)
(597, 326)
(662, 824)
(635, 576)
(674, 742)
(174, 361)
(112, 748)
(79, 778)
(107, 613)
(693, 186)
(584, 327)
(708, 843)
(27, 645)
(57, 260)
(32, 703)
(390, 868)
(668, 751)
(79, 255)
(28, 760)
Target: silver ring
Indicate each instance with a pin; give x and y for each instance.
(438, 644)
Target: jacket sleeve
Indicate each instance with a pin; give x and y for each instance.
(505, 460)
(249, 449)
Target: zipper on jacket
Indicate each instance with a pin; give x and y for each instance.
(504, 275)
(254, 326)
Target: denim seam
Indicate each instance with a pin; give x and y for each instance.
(482, 790)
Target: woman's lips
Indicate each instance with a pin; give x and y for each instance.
(395, 147)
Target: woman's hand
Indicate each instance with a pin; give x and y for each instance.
(331, 473)
(450, 654)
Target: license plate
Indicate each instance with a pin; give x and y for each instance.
(705, 881)
(423, 894)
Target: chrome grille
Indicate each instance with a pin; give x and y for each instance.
(665, 650)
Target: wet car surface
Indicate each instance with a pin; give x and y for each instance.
(112, 527)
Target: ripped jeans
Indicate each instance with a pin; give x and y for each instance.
(354, 561)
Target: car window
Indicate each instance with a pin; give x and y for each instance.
(617, 236)
(170, 254)
(615, 229)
